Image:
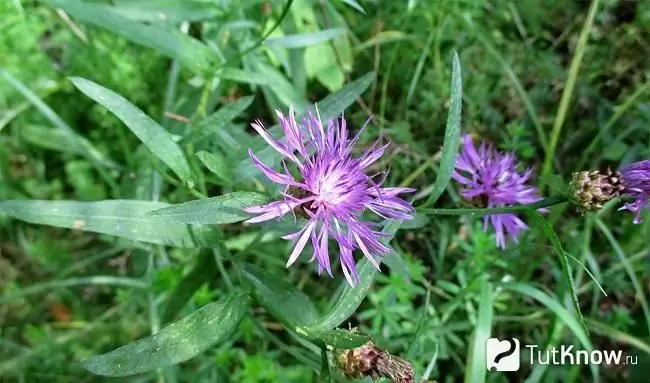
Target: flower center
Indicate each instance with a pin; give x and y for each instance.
(331, 188)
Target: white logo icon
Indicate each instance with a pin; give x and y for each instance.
(502, 355)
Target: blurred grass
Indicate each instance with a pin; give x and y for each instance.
(522, 89)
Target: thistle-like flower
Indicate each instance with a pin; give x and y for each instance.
(331, 191)
(491, 179)
(636, 184)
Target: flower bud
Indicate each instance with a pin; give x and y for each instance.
(590, 190)
(370, 360)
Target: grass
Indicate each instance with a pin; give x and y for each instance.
(561, 84)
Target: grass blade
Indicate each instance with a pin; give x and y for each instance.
(562, 313)
(543, 224)
(568, 89)
(98, 280)
(78, 144)
(154, 136)
(475, 370)
(452, 135)
(641, 294)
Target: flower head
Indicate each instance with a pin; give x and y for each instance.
(491, 180)
(331, 191)
(590, 190)
(636, 184)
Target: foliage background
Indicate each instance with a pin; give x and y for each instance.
(426, 306)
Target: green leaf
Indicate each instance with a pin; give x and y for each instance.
(216, 164)
(354, 4)
(243, 76)
(330, 107)
(639, 286)
(556, 307)
(227, 208)
(180, 341)
(279, 85)
(546, 227)
(204, 270)
(77, 144)
(343, 339)
(187, 50)
(396, 263)
(351, 297)
(60, 141)
(303, 40)
(120, 218)
(154, 136)
(282, 299)
(171, 11)
(214, 123)
(452, 135)
(476, 357)
(50, 286)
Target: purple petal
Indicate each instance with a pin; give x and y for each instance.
(302, 242)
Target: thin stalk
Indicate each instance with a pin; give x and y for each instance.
(568, 90)
(547, 202)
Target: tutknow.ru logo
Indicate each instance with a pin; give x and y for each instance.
(505, 355)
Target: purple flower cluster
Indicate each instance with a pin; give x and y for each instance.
(636, 182)
(491, 179)
(331, 191)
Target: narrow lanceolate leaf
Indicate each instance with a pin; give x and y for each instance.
(217, 164)
(475, 370)
(215, 122)
(351, 297)
(305, 39)
(546, 227)
(120, 218)
(227, 208)
(330, 107)
(282, 299)
(170, 11)
(180, 341)
(204, 270)
(76, 143)
(154, 136)
(187, 50)
(452, 134)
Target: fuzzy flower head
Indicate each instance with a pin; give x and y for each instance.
(331, 191)
(491, 179)
(636, 183)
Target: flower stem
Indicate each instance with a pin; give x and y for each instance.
(555, 200)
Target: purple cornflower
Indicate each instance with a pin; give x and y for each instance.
(331, 191)
(636, 182)
(491, 180)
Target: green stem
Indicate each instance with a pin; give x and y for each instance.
(551, 201)
(568, 90)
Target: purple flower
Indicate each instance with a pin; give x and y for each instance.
(636, 182)
(491, 180)
(331, 191)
